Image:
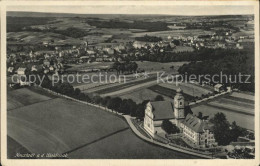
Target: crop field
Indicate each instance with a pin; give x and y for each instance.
(183, 49)
(141, 95)
(187, 88)
(60, 125)
(169, 92)
(157, 66)
(125, 145)
(84, 66)
(243, 120)
(244, 33)
(14, 147)
(64, 126)
(174, 33)
(39, 37)
(243, 96)
(125, 85)
(238, 107)
(22, 97)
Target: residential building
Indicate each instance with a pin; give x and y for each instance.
(198, 131)
(21, 71)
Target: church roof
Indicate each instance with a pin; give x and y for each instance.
(163, 110)
(196, 124)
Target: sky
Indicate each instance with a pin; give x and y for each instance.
(133, 9)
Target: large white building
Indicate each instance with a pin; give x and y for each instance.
(158, 111)
(194, 129)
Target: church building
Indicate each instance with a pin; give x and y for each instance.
(158, 111)
(195, 130)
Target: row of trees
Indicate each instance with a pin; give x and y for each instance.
(196, 55)
(126, 66)
(125, 106)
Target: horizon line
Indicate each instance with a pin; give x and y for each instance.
(128, 14)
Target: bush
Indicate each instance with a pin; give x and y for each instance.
(169, 128)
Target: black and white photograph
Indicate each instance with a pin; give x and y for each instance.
(131, 82)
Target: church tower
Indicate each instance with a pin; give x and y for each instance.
(179, 105)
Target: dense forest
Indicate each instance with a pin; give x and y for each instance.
(230, 62)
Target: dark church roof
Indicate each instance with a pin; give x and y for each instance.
(196, 124)
(162, 110)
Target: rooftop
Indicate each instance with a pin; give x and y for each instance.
(163, 110)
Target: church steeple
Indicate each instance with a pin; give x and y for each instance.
(179, 104)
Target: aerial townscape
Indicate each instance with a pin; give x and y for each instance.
(118, 86)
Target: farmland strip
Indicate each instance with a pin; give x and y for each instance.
(82, 146)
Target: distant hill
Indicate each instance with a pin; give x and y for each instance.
(41, 14)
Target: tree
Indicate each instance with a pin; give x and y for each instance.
(159, 98)
(77, 92)
(131, 107)
(97, 99)
(104, 102)
(176, 42)
(200, 116)
(169, 128)
(123, 107)
(114, 103)
(221, 129)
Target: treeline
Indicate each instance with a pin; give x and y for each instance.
(147, 38)
(125, 106)
(149, 26)
(230, 63)
(196, 55)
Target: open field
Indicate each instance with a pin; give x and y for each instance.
(187, 88)
(125, 85)
(143, 94)
(243, 96)
(183, 49)
(38, 37)
(59, 125)
(85, 66)
(64, 126)
(246, 121)
(14, 147)
(238, 107)
(157, 66)
(125, 146)
(22, 97)
(174, 33)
